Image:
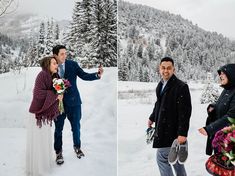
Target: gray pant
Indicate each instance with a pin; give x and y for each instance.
(164, 167)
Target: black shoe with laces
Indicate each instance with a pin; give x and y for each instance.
(59, 158)
(79, 152)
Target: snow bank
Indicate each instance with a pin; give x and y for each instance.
(135, 156)
(98, 125)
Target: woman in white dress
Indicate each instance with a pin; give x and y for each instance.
(43, 109)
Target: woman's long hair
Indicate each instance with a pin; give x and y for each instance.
(45, 64)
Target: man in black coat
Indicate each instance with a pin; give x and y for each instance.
(219, 112)
(171, 115)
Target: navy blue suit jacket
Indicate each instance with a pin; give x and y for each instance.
(72, 70)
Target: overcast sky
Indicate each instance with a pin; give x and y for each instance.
(211, 15)
(58, 9)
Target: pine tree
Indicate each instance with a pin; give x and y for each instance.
(31, 58)
(122, 72)
(111, 33)
(87, 9)
(145, 58)
(210, 94)
(130, 49)
(133, 33)
(151, 49)
(103, 34)
(140, 51)
(41, 40)
(146, 75)
(99, 36)
(168, 51)
(141, 77)
(75, 38)
(57, 32)
(49, 37)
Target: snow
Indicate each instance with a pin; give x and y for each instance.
(99, 132)
(98, 125)
(137, 158)
(163, 43)
(123, 44)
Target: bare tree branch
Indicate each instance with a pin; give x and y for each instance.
(8, 6)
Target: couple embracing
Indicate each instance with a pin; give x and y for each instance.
(44, 111)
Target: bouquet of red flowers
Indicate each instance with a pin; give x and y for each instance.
(223, 162)
(60, 85)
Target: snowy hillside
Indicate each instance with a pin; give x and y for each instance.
(146, 34)
(23, 24)
(98, 125)
(135, 104)
(23, 40)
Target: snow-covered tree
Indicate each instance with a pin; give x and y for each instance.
(88, 12)
(140, 51)
(210, 93)
(151, 49)
(194, 50)
(111, 33)
(141, 74)
(49, 37)
(41, 40)
(75, 38)
(93, 33)
(123, 72)
(146, 77)
(57, 32)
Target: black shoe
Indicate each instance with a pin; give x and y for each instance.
(59, 158)
(79, 152)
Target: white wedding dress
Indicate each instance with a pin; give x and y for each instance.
(38, 148)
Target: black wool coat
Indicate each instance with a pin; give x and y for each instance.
(223, 108)
(171, 112)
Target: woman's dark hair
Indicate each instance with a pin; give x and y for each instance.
(46, 62)
(56, 49)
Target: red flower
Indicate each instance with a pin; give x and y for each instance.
(57, 87)
(224, 158)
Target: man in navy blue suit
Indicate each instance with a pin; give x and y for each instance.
(69, 70)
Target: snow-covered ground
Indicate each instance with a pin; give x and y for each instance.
(135, 157)
(98, 125)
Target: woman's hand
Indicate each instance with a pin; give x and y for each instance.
(60, 97)
(202, 131)
(100, 71)
(150, 123)
(210, 109)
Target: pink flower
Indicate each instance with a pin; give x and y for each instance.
(227, 129)
(224, 144)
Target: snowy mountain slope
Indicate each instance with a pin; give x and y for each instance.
(21, 26)
(147, 34)
(135, 156)
(98, 126)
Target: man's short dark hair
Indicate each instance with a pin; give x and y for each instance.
(167, 59)
(56, 49)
